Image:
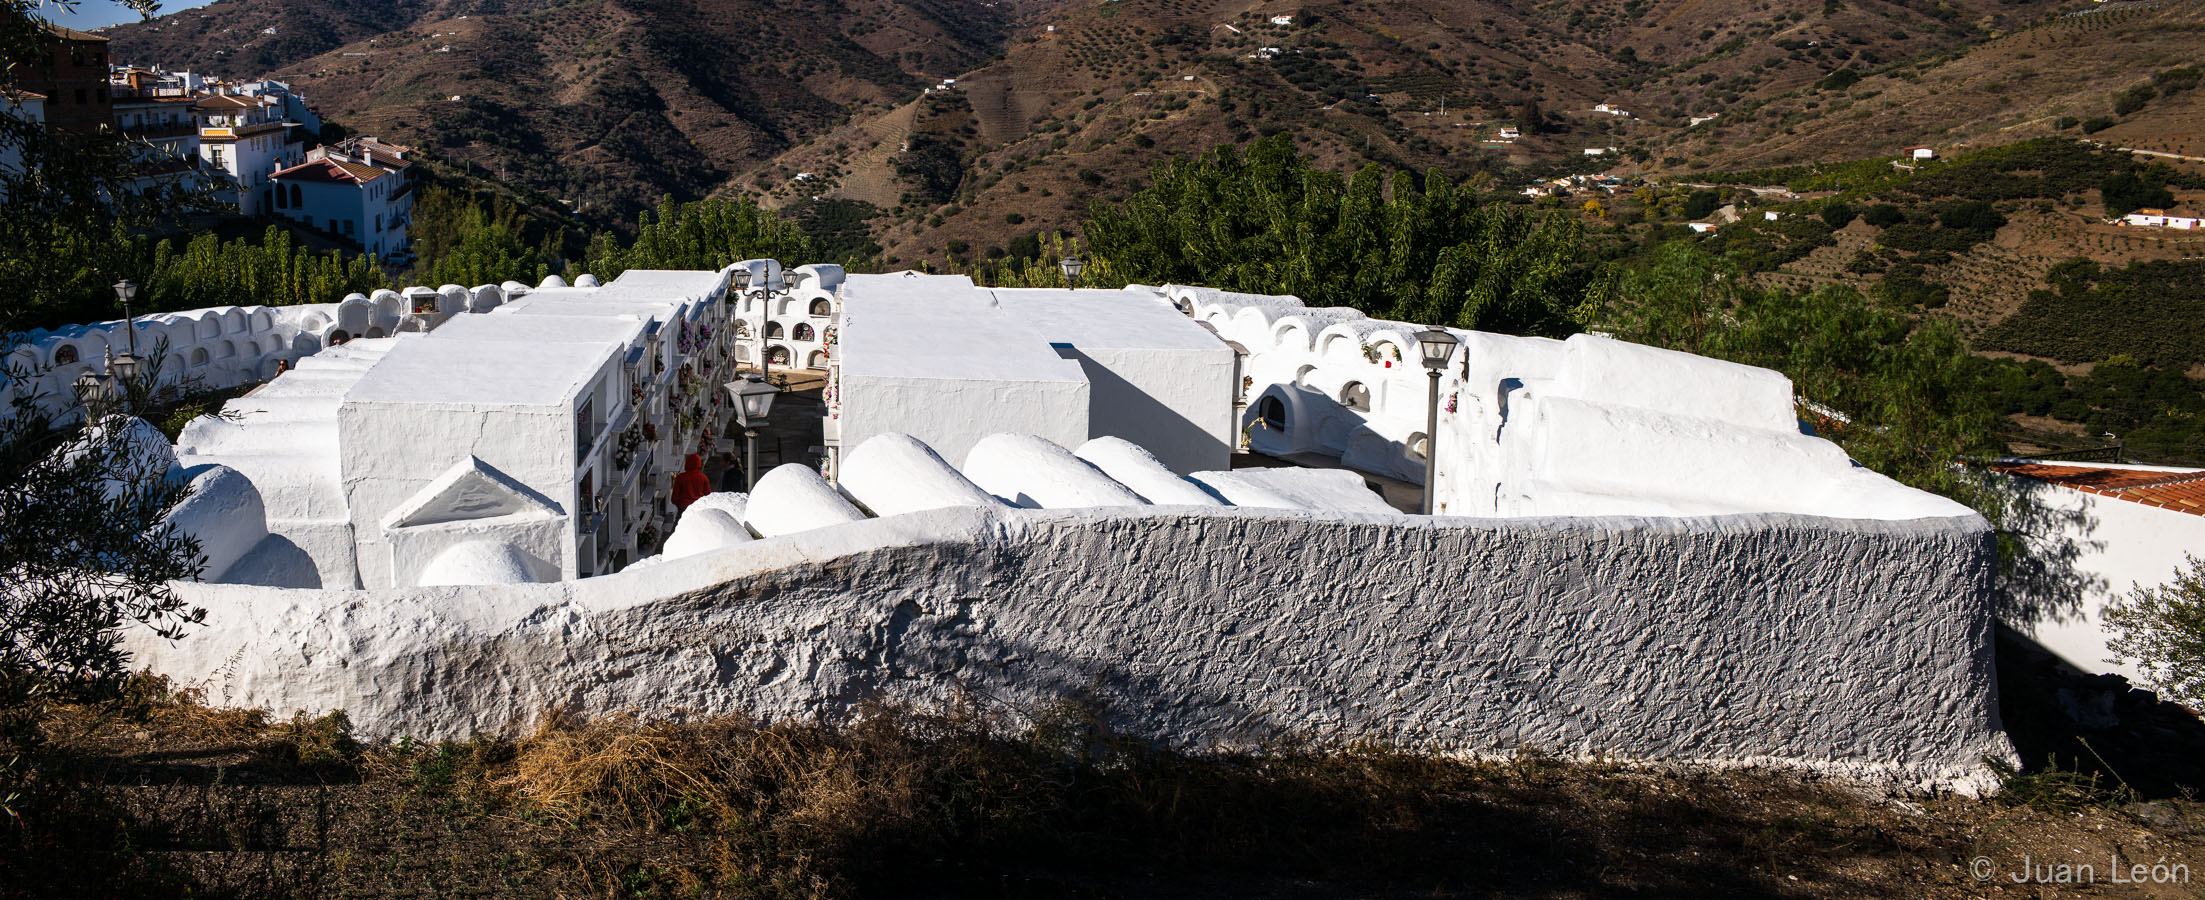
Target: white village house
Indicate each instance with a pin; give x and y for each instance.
(1033, 490)
(2159, 218)
(2121, 527)
(361, 191)
(246, 139)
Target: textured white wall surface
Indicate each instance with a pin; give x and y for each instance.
(1859, 648)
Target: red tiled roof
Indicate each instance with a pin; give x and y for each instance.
(71, 34)
(2178, 491)
(332, 171)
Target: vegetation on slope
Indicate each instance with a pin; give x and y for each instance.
(152, 793)
(1265, 220)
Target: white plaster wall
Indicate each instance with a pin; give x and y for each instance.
(390, 451)
(539, 541)
(217, 347)
(1590, 426)
(2118, 545)
(1861, 648)
(1175, 403)
(952, 415)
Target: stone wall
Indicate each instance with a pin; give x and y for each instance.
(1862, 648)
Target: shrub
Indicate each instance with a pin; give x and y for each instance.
(2066, 122)
(1837, 215)
(1883, 215)
(2133, 99)
(2126, 192)
(2161, 631)
(2096, 124)
(2174, 81)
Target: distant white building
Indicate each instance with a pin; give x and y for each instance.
(245, 139)
(1920, 152)
(166, 122)
(293, 108)
(1282, 21)
(360, 191)
(2159, 218)
(1605, 109)
(26, 106)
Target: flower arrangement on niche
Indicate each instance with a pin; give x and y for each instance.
(624, 451)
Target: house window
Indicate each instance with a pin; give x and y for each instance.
(295, 196)
(348, 226)
(279, 197)
(378, 222)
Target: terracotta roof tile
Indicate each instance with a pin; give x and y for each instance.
(2177, 491)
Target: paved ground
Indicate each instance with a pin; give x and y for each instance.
(793, 432)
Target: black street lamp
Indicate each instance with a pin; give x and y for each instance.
(95, 392)
(124, 368)
(1436, 345)
(1072, 266)
(126, 291)
(753, 401)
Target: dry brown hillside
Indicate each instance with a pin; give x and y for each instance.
(609, 103)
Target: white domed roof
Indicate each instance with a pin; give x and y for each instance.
(480, 562)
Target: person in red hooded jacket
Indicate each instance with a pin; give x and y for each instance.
(691, 485)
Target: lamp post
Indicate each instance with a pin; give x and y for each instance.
(94, 391)
(1436, 345)
(126, 291)
(124, 368)
(1072, 266)
(753, 400)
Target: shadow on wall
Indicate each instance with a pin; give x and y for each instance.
(1117, 408)
(2060, 717)
(2040, 546)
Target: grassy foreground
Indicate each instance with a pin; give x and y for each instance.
(158, 795)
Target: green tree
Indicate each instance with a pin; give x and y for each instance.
(2161, 631)
(83, 545)
(705, 234)
(1265, 220)
(1907, 399)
